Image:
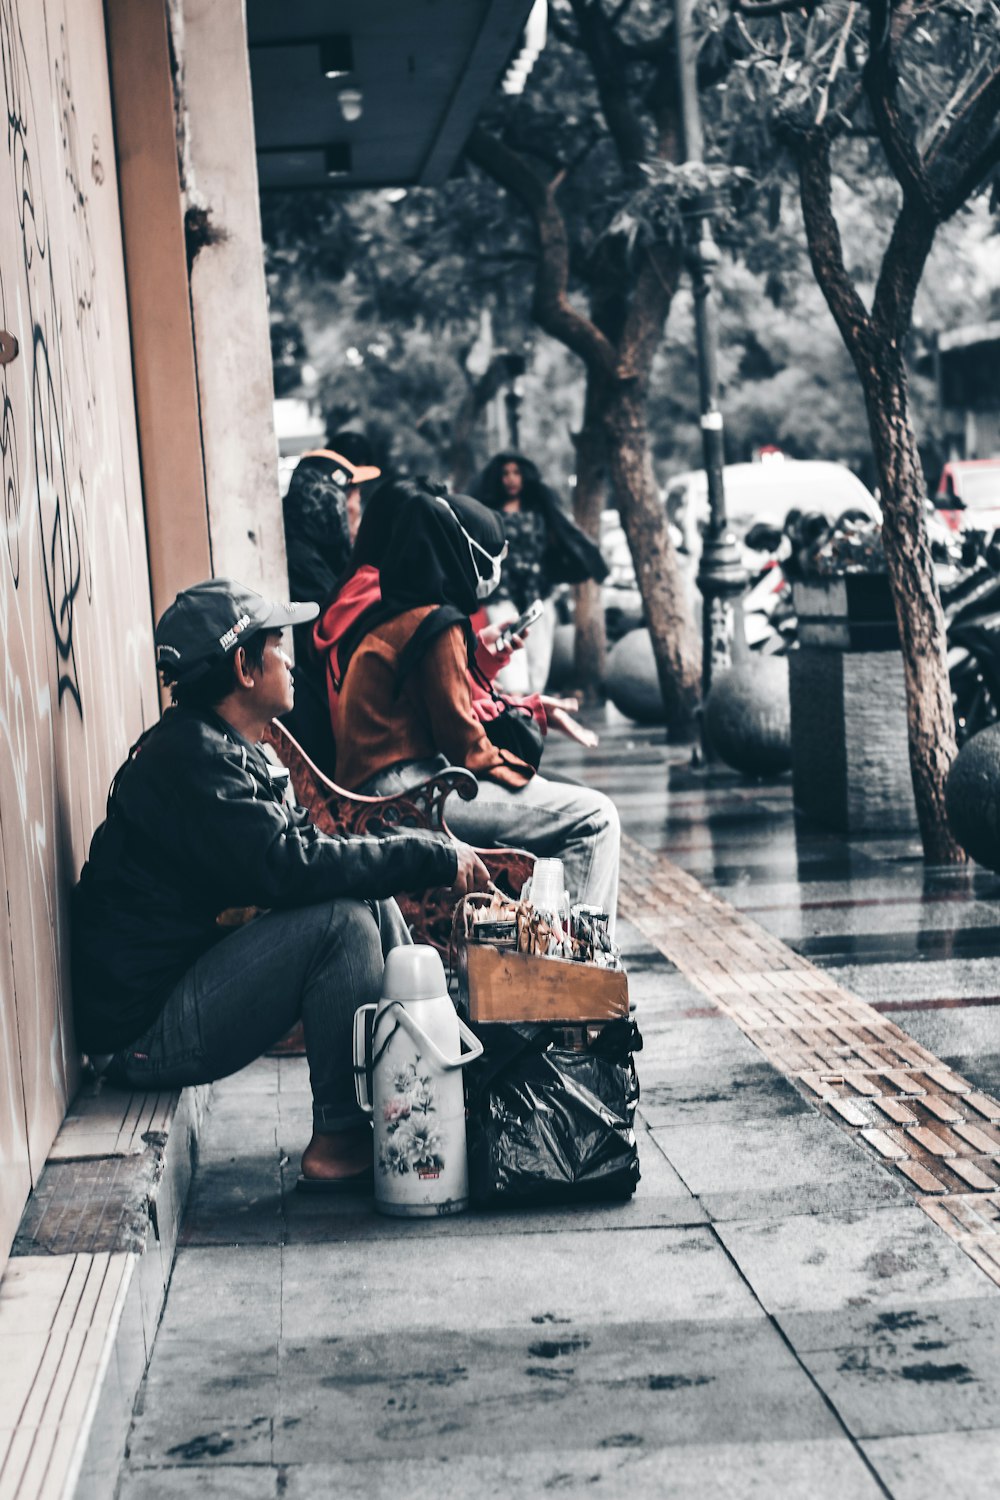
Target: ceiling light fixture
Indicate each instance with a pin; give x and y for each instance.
(336, 56)
(351, 103)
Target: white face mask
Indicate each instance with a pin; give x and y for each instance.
(484, 586)
(487, 586)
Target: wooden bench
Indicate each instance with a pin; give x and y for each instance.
(336, 811)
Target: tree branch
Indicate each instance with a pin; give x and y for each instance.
(752, 8)
(826, 252)
(880, 81)
(974, 154)
(653, 48)
(837, 64)
(648, 309)
(553, 310)
(974, 175)
(607, 63)
(902, 267)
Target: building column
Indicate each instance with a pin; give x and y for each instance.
(228, 292)
(163, 358)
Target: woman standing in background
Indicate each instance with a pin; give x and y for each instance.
(546, 549)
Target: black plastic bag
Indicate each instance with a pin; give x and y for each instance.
(549, 1123)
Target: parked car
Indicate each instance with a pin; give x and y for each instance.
(968, 495)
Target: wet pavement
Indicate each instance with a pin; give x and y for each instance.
(921, 945)
(773, 1314)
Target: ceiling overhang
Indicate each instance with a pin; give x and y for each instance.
(372, 93)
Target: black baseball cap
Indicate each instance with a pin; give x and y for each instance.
(209, 620)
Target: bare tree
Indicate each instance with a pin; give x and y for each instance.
(922, 81)
(627, 280)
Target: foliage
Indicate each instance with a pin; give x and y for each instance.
(380, 297)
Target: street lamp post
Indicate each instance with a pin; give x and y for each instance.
(516, 366)
(721, 577)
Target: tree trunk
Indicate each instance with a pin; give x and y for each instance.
(930, 710)
(874, 340)
(668, 613)
(589, 500)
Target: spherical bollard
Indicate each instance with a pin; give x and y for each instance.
(747, 716)
(630, 679)
(561, 670)
(972, 797)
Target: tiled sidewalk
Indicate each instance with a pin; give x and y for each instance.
(930, 1123)
(774, 1314)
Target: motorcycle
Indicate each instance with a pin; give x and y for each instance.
(972, 615)
(969, 585)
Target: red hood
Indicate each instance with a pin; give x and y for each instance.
(360, 591)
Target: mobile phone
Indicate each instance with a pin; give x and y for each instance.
(531, 614)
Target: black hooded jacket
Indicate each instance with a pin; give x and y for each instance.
(197, 823)
(439, 547)
(570, 555)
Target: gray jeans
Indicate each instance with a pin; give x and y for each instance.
(314, 963)
(553, 819)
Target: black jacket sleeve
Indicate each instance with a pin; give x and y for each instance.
(253, 850)
(570, 555)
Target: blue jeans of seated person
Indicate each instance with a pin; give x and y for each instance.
(316, 964)
(552, 819)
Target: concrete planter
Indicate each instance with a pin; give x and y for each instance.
(746, 716)
(972, 797)
(850, 751)
(630, 679)
(849, 612)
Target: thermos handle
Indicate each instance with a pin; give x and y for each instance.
(471, 1041)
(418, 1034)
(362, 1078)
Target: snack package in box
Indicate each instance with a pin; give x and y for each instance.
(506, 971)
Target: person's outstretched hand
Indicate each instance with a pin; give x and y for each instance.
(559, 713)
(472, 873)
(490, 635)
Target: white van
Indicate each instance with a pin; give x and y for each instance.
(765, 492)
(754, 492)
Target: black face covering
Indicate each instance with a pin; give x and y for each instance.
(316, 533)
(440, 549)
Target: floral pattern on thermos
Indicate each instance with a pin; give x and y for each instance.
(411, 1143)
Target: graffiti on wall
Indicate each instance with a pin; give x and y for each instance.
(76, 680)
(56, 471)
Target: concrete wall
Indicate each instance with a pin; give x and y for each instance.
(76, 674)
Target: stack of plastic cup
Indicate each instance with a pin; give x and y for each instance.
(548, 885)
(546, 891)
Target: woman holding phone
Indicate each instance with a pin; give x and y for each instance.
(404, 708)
(545, 548)
(359, 588)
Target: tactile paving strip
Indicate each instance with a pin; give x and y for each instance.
(925, 1122)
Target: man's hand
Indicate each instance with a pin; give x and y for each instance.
(558, 711)
(472, 873)
(490, 635)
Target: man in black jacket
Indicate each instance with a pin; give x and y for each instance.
(199, 823)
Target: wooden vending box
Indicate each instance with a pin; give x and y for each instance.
(498, 984)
